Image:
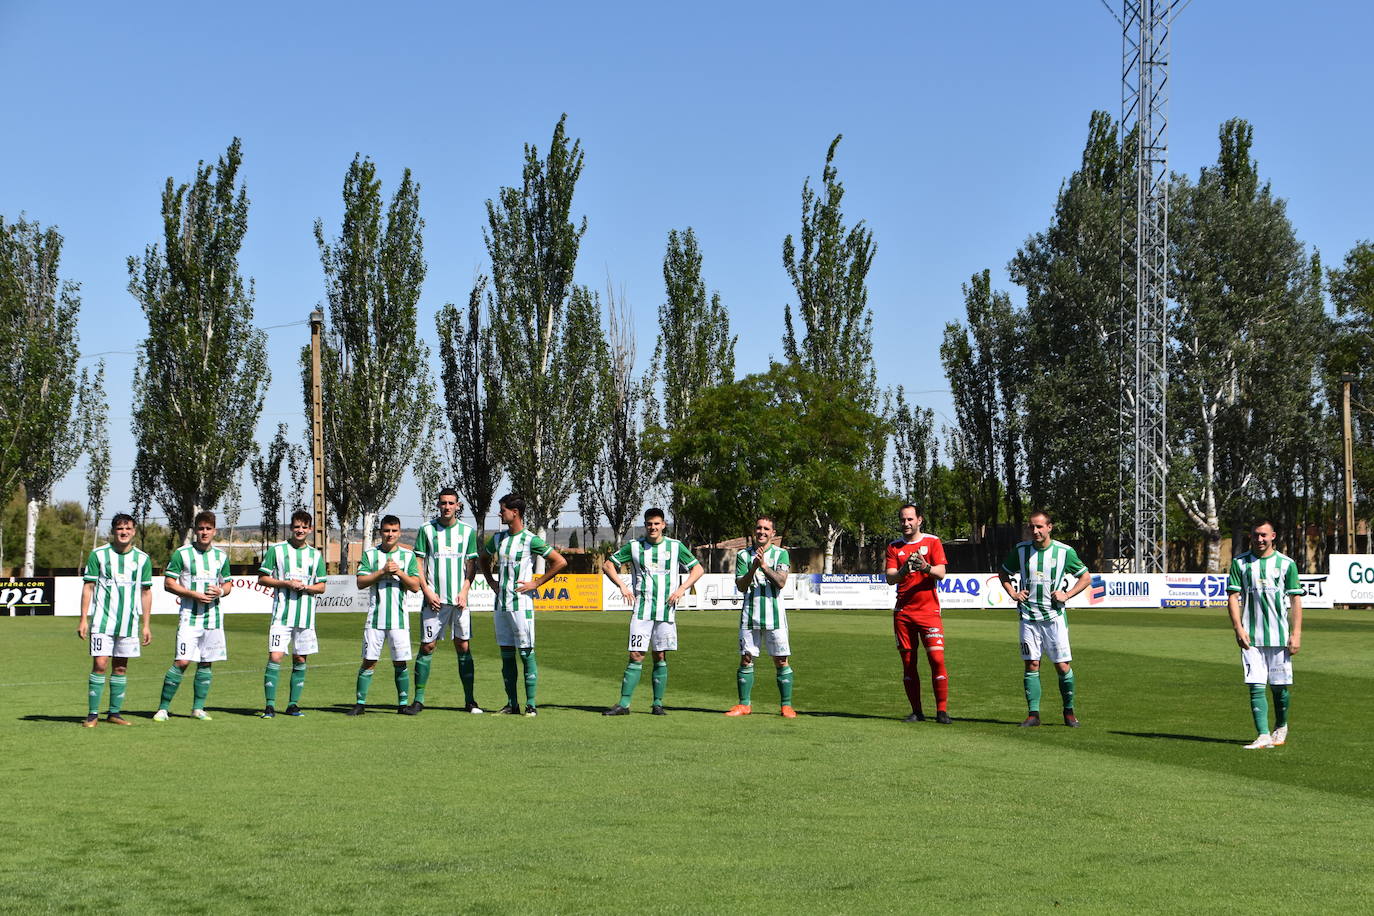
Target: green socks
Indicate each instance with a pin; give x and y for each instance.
(118, 682)
(364, 682)
(531, 675)
(201, 686)
(1031, 681)
(785, 684)
(629, 682)
(660, 681)
(1280, 692)
(402, 686)
(269, 682)
(95, 689)
(170, 682)
(508, 675)
(297, 681)
(467, 674)
(745, 677)
(422, 663)
(1066, 687)
(1259, 708)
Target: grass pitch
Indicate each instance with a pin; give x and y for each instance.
(1152, 805)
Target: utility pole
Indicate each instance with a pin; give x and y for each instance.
(1346, 380)
(317, 428)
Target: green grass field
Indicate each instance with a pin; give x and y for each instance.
(1152, 805)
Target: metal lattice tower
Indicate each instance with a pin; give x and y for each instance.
(1144, 277)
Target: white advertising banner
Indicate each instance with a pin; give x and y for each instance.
(1352, 578)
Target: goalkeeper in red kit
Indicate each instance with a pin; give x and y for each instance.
(915, 564)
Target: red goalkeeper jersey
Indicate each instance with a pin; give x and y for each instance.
(916, 591)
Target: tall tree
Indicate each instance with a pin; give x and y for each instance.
(95, 438)
(624, 407)
(829, 274)
(39, 404)
(202, 371)
(1351, 286)
(695, 350)
(1245, 336)
(914, 449)
(542, 325)
(374, 366)
(1071, 275)
(980, 360)
(265, 469)
(470, 380)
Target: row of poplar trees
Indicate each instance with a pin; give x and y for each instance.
(1255, 359)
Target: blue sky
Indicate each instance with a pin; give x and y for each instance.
(960, 122)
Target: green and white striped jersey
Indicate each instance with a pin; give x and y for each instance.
(388, 595)
(1264, 584)
(446, 551)
(197, 570)
(1042, 572)
(291, 608)
(515, 555)
(654, 574)
(762, 608)
(120, 578)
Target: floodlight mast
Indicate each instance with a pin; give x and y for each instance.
(1143, 352)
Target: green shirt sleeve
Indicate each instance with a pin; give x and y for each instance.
(92, 568)
(422, 546)
(1012, 564)
(783, 559)
(1074, 566)
(173, 570)
(538, 546)
(365, 564)
(147, 568)
(742, 561)
(621, 556)
(685, 556)
(1292, 584)
(470, 548)
(1233, 583)
(320, 571)
(413, 569)
(269, 562)
(489, 549)
(224, 574)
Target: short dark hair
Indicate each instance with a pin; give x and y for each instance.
(514, 502)
(203, 517)
(1043, 514)
(389, 520)
(654, 512)
(768, 518)
(449, 491)
(1265, 521)
(300, 515)
(122, 518)
(921, 513)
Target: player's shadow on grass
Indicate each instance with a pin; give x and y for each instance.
(1172, 737)
(38, 718)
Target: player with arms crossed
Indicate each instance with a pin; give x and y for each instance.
(514, 551)
(1268, 633)
(654, 561)
(116, 593)
(447, 550)
(916, 564)
(760, 574)
(198, 574)
(1041, 564)
(389, 571)
(295, 572)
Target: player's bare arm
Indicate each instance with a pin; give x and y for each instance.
(431, 596)
(181, 591)
(83, 628)
(469, 576)
(485, 561)
(147, 601)
(696, 573)
(1012, 592)
(554, 565)
(1233, 608)
(1295, 625)
(408, 582)
(613, 574)
(367, 580)
(1083, 582)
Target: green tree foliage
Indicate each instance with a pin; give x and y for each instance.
(374, 366)
(1072, 278)
(542, 328)
(1245, 335)
(625, 407)
(695, 350)
(981, 360)
(95, 439)
(265, 469)
(39, 407)
(61, 539)
(470, 378)
(829, 273)
(1351, 350)
(202, 371)
(781, 442)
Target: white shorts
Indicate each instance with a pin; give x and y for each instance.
(1267, 665)
(198, 644)
(774, 641)
(302, 640)
(103, 644)
(1047, 637)
(450, 618)
(373, 639)
(513, 629)
(652, 635)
